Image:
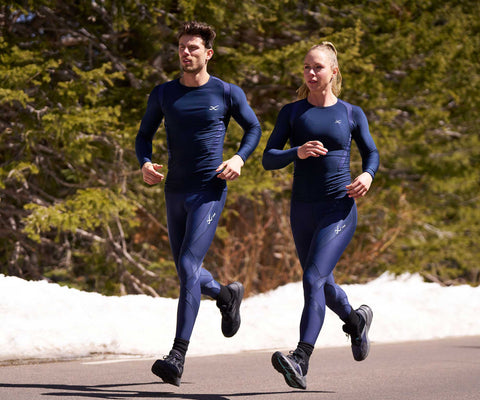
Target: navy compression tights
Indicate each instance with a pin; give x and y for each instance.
(321, 231)
(192, 219)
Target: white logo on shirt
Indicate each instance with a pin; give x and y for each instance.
(338, 121)
(213, 108)
(339, 228)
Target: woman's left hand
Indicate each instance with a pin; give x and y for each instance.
(360, 186)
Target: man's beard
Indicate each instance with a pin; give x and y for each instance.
(191, 69)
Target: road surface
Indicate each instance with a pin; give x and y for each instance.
(433, 370)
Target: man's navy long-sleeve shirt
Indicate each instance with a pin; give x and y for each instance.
(196, 119)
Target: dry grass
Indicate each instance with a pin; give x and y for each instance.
(254, 244)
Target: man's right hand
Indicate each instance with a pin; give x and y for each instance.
(150, 174)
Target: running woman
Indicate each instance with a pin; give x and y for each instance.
(323, 213)
(196, 109)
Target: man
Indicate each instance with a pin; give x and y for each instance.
(196, 109)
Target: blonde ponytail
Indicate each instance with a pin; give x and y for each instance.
(302, 91)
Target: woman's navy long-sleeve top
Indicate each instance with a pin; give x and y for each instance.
(323, 177)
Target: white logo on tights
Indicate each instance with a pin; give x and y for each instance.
(210, 218)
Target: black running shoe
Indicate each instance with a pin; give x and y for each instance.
(291, 369)
(359, 334)
(170, 369)
(231, 311)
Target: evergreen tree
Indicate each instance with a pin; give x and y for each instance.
(75, 78)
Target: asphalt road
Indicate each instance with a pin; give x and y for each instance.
(436, 370)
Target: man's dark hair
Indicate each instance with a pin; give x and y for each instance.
(206, 32)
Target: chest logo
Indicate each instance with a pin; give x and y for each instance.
(213, 108)
(338, 121)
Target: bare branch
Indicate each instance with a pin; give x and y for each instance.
(119, 249)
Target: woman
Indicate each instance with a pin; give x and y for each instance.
(323, 213)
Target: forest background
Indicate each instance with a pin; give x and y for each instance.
(75, 77)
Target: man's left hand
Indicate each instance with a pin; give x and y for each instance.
(230, 169)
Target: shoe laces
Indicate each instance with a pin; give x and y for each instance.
(353, 333)
(226, 309)
(174, 358)
(294, 354)
(298, 359)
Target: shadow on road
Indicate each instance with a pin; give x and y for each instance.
(113, 391)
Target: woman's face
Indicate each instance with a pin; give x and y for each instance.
(317, 70)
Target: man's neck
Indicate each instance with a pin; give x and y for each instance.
(194, 79)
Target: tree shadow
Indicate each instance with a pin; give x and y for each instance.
(113, 391)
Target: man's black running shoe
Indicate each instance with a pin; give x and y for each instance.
(231, 311)
(290, 366)
(170, 369)
(359, 334)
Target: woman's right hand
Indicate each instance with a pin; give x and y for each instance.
(314, 148)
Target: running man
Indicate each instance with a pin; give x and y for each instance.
(196, 109)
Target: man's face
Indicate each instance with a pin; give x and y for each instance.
(193, 54)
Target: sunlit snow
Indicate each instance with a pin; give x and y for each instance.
(45, 320)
